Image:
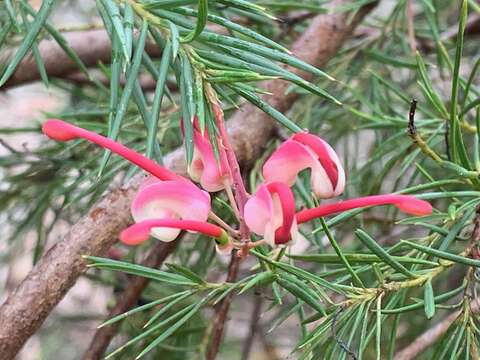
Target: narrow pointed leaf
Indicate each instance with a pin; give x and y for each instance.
(28, 40)
(429, 300)
(381, 253)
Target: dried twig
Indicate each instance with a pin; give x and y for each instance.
(221, 311)
(416, 137)
(91, 46)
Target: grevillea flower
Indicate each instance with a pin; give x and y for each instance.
(164, 196)
(406, 203)
(303, 151)
(271, 213)
(173, 199)
(205, 168)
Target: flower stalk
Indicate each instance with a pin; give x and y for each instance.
(241, 194)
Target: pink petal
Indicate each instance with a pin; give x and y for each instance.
(61, 131)
(258, 210)
(414, 206)
(287, 161)
(170, 199)
(304, 151)
(149, 180)
(406, 203)
(264, 213)
(323, 152)
(205, 167)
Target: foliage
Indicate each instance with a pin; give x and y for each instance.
(387, 279)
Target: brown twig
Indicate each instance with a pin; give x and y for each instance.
(472, 27)
(241, 197)
(221, 311)
(91, 46)
(249, 129)
(411, 26)
(430, 336)
(127, 299)
(416, 137)
(254, 327)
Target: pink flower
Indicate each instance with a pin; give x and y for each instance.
(211, 172)
(171, 199)
(406, 203)
(271, 213)
(205, 168)
(166, 195)
(304, 151)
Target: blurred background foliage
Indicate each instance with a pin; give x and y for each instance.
(356, 300)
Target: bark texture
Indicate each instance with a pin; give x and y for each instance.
(91, 46)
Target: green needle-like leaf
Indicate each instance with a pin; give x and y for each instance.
(356, 279)
(429, 300)
(370, 243)
(28, 40)
(158, 97)
(443, 255)
(117, 25)
(127, 91)
(202, 16)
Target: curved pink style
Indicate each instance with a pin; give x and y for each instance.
(406, 203)
(303, 151)
(62, 131)
(205, 168)
(271, 213)
(140, 232)
(172, 199)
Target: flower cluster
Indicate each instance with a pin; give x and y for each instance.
(167, 203)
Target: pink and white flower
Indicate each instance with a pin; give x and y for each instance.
(271, 213)
(303, 151)
(165, 195)
(205, 168)
(211, 172)
(171, 199)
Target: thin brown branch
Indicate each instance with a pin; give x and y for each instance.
(91, 46)
(127, 299)
(249, 130)
(472, 27)
(433, 334)
(317, 45)
(254, 327)
(411, 26)
(221, 310)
